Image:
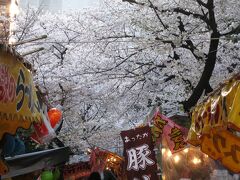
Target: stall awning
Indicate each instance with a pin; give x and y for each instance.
(26, 163)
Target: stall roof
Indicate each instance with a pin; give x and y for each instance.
(26, 163)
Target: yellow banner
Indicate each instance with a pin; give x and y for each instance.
(224, 146)
(19, 105)
(234, 114)
(221, 109)
(212, 121)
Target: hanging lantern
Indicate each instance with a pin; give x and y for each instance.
(47, 175)
(54, 115)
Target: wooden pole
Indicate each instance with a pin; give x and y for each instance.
(29, 40)
(33, 51)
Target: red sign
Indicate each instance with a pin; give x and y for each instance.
(175, 135)
(139, 155)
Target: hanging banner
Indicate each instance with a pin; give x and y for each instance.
(139, 155)
(215, 124)
(224, 146)
(175, 135)
(234, 114)
(220, 110)
(19, 105)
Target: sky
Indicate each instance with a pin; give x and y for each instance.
(78, 4)
(65, 5)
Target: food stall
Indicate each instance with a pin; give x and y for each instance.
(22, 108)
(36, 161)
(104, 160)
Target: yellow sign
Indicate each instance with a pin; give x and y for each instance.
(211, 121)
(19, 105)
(222, 109)
(158, 126)
(224, 146)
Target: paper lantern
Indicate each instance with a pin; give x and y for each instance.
(47, 175)
(54, 115)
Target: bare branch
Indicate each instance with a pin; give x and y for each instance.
(233, 31)
(200, 2)
(133, 2)
(188, 13)
(118, 37)
(155, 11)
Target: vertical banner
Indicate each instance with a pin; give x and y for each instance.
(140, 158)
(175, 135)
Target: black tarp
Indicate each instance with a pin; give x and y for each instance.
(26, 163)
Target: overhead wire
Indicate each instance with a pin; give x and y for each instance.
(148, 40)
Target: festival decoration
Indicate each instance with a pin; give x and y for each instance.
(224, 146)
(215, 124)
(40, 132)
(175, 135)
(139, 155)
(43, 132)
(19, 105)
(189, 163)
(103, 160)
(115, 164)
(47, 175)
(54, 115)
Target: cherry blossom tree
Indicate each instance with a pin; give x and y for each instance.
(202, 29)
(108, 66)
(58, 72)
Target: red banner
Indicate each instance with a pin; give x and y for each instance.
(175, 135)
(138, 151)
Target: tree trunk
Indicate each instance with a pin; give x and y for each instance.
(203, 83)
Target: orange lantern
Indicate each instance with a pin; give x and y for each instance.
(54, 115)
